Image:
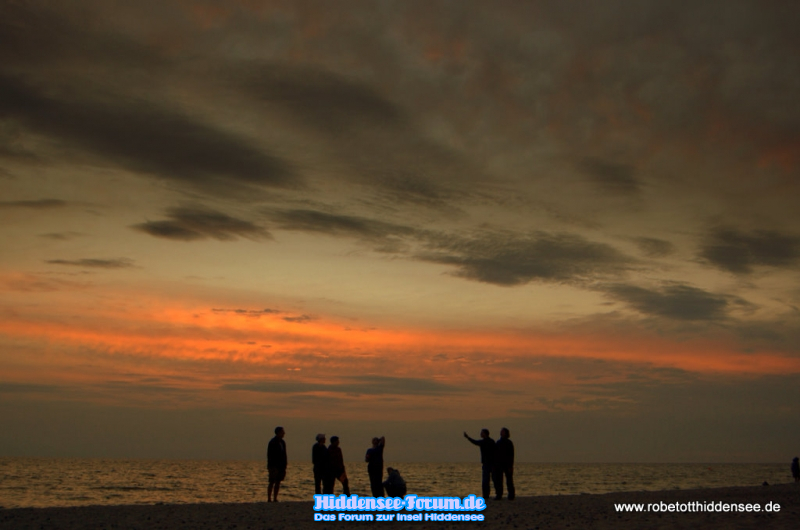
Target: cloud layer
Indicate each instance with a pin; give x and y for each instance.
(192, 223)
(98, 263)
(740, 252)
(460, 210)
(144, 137)
(512, 259)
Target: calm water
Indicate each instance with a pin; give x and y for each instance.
(76, 482)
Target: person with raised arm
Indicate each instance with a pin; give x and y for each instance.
(487, 446)
(374, 459)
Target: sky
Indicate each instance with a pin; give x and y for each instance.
(577, 220)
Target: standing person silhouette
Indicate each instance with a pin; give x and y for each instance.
(322, 466)
(504, 464)
(374, 459)
(796, 469)
(337, 465)
(276, 464)
(487, 446)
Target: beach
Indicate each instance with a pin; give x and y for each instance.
(539, 512)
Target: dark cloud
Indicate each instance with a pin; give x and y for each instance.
(118, 263)
(499, 258)
(34, 33)
(368, 134)
(774, 334)
(370, 385)
(337, 224)
(680, 302)
(39, 204)
(138, 388)
(61, 236)
(33, 283)
(637, 384)
(377, 139)
(146, 138)
(7, 387)
(256, 313)
(301, 319)
(249, 312)
(12, 145)
(511, 259)
(739, 252)
(610, 176)
(654, 248)
(9, 151)
(398, 185)
(569, 404)
(191, 224)
(330, 102)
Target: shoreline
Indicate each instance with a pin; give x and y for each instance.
(542, 512)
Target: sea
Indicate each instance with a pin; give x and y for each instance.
(44, 482)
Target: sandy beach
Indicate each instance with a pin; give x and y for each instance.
(566, 511)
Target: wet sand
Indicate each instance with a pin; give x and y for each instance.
(561, 512)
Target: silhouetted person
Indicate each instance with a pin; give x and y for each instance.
(504, 465)
(487, 446)
(394, 484)
(337, 465)
(374, 459)
(796, 469)
(276, 464)
(323, 482)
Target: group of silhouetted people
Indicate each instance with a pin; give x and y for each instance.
(328, 466)
(497, 460)
(328, 462)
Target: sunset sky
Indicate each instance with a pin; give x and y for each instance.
(579, 220)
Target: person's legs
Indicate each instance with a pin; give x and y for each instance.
(486, 474)
(377, 488)
(327, 485)
(345, 485)
(376, 482)
(510, 483)
(498, 482)
(274, 478)
(317, 482)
